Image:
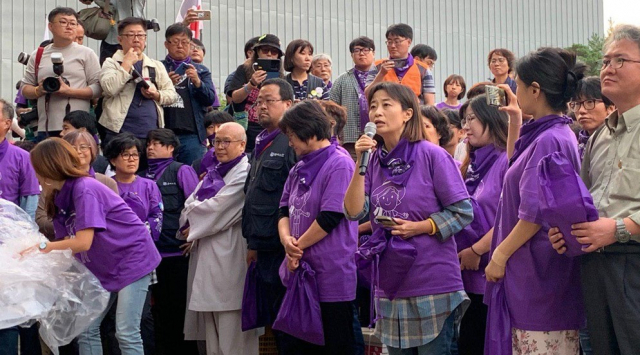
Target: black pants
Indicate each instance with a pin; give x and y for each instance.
(473, 327)
(611, 289)
(170, 304)
(339, 339)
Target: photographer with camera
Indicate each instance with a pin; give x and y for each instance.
(61, 87)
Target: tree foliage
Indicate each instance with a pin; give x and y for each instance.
(591, 53)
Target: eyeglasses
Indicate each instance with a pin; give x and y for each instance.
(616, 63)
(127, 156)
(193, 46)
(468, 118)
(395, 42)
(361, 50)
(177, 42)
(269, 102)
(498, 60)
(269, 50)
(82, 148)
(130, 36)
(587, 104)
(65, 23)
(224, 144)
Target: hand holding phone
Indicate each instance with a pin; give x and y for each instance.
(181, 69)
(386, 221)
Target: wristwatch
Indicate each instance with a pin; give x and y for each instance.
(42, 246)
(622, 234)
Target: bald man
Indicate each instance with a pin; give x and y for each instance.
(211, 221)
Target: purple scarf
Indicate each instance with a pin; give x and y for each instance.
(4, 146)
(397, 164)
(583, 138)
(214, 180)
(482, 159)
(400, 72)
(310, 164)
(532, 129)
(263, 140)
(361, 79)
(156, 168)
(174, 64)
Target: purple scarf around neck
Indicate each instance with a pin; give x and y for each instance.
(176, 63)
(310, 164)
(214, 180)
(583, 138)
(397, 164)
(156, 167)
(400, 72)
(263, 140)
(481, 160)
(361, 79)
(4, 146)
(532, 129)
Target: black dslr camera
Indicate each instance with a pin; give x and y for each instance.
(52, 83)
(153, 25)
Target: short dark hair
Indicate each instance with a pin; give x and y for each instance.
(7, 109)
(81, 119)
(491, 118)
(62, 11)
(306, 120)
(249, 45)
(414, 129)
(400, 30)
(453, 117)
(337, 112)
(294, 47)
(423, 51)
(452, 79)
(284, 88)
(439, 121)
(25, 145)
(589, 88)
(81, 23)
(362, 41)
(217, 117)
(478, 89)
(177, 29)
(130, 21)
(118, 144)
(199, 43)
(507, 54)
(557, 72)
(165, 136)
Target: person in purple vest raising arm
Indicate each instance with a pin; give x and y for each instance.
(536, 289)
(103, 233)
(418, 188)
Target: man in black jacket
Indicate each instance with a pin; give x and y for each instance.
(271, 161)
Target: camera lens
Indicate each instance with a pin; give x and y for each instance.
(23, 58)
(51, 84)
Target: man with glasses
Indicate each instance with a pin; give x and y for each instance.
(135, 86)
(349, 91)
(402, 68)
(79, 82)
(610, 169)
(196, 93)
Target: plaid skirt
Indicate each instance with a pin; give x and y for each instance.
(410, 322)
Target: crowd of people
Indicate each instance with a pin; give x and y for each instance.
(282, 211)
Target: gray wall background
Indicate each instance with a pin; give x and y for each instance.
(461, 31)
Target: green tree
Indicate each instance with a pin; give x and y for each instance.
(591, 53)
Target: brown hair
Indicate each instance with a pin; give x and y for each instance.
(413, 130)
(507, 54)
(453, 79)
(74, 136)
(337, 112)
(295, 46)
(55, 159)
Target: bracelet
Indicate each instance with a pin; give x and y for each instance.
(246, 88)
(499, 258)
(252, 83)
(37, 91)
(434, 228)
(475, 252)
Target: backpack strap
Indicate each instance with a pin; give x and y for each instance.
(152, 75)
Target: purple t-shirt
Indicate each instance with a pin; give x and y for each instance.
(486, 197)
(333, 257)
(17, 177)
(443, 105)
(144, 198)
(542, 288)
(122, 250)
(435, 182)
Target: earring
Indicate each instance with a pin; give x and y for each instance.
(47, 183)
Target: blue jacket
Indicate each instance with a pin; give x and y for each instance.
(201, 98)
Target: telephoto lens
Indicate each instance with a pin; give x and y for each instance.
(51, 84)
(23, 58)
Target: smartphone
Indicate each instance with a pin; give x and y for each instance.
(203, 15)
(181, 69)
(495, 96)
(385, 221)
(399, 63)
(271, 66)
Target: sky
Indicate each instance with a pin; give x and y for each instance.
(621, 11)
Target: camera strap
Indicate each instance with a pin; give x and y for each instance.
(38, 58)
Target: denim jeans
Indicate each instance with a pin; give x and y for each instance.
(128, 313)
(441, 345)
(190, 149)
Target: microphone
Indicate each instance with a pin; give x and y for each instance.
(369, 131)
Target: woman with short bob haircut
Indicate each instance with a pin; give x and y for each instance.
(297, 61)
(417, 188)
(436, 125)
(103, 233)
(527, 279)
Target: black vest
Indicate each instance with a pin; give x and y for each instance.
(173, 200)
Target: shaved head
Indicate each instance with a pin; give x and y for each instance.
(230, 141)
(233, 130)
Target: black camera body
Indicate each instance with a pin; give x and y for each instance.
(28, 119)
(153, 25)
(52, 83)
